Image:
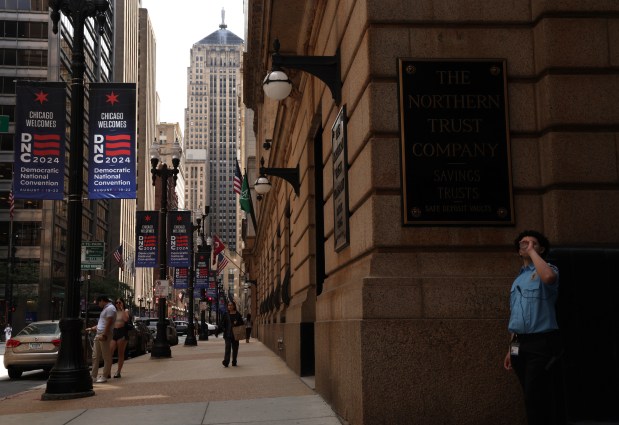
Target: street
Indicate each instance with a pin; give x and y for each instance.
(28, 381)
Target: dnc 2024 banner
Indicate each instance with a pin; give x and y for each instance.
(112, 168)
(180, 239)
(40, 123)
(146, 239)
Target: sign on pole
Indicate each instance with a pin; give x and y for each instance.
(162, 288)
(93, 254)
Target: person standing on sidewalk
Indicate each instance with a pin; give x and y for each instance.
(535, 343)
(8, 330)
(231, 319)
(101, 347)
(120, 335)
(247, 327)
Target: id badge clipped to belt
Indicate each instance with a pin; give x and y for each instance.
(514, 347)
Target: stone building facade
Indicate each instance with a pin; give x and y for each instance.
(405, 322)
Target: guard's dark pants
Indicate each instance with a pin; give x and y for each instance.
(537, 366)
(231, 343)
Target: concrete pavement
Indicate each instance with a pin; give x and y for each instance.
(190, 388)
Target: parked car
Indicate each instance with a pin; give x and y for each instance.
(34, 347)
(212, 329)
(141, 339)
(151, 323)
(181, 327)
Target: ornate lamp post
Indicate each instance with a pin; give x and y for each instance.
(70, 377)
(161, 348)
(207, 252)
(140, 300)
(190, 340)
(148, 301)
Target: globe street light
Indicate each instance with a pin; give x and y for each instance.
(70, 377)
(161, 348)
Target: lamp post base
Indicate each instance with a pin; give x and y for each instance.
(161, 348)
(203, 327)
(70, 377)
(190, 340)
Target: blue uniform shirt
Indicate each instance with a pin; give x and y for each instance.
(532, 302)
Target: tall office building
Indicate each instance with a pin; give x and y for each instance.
(212, 130)
(30, 51)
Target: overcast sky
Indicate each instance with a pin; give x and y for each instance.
(178, 25)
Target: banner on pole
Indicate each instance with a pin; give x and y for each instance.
(201, 270)
(181, 278)
(112, 171)
(147, 230)
(180, 242)
(40, 127)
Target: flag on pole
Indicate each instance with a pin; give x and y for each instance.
(218, 245)
(237, 178)
(118, 256)
(11, 205)
(244, 199)
(221, 263)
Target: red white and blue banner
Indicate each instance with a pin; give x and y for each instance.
(180, 242)
(146, 229)
(201, 271)
(181, 278)
(40, 129)
(112, 153)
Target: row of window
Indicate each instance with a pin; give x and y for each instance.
(7, 86)
(25, 233)
(14, 29)
(23, 57)
(34, 5)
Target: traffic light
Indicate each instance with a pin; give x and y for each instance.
(209, 300)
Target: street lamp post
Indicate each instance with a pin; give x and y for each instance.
(140, 300)
(190, 340)
(219, 288)
(70, 377)
(161, 348)
(203, 327)
(148, 301)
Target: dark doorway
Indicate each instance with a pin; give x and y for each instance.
(588, 315)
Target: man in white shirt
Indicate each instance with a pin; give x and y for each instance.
(101, 347)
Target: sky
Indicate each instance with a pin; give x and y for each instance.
(178, 25)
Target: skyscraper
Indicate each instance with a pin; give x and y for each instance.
(212, 130)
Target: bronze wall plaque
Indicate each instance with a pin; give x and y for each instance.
(455, 153)
(341, 234)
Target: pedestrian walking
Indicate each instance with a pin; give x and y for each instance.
(247, 327)
(231, 320)
(535, 346)
(8, 331)
(120, 334)
(101, 346)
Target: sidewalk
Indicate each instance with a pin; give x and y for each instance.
(190, 388)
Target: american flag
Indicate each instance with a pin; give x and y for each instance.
(11, 205)
(118, 256)
(238, 178)
(221, 263)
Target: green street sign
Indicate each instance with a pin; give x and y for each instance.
(93, 254)
(4, 123)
